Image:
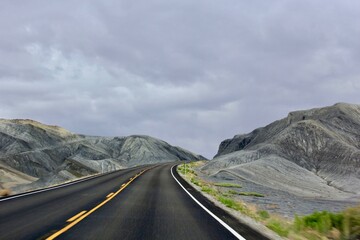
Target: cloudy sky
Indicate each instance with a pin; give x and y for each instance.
(189, 72)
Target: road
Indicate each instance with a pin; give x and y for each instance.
(138, 203)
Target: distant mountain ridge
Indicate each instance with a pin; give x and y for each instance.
(313, 152)
(30, 150)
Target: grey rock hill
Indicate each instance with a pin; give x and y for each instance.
(311, 153)
(32, 152)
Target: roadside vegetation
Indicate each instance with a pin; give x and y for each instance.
(324, 225)
(231, 185)
(252, 194)
(5, 192)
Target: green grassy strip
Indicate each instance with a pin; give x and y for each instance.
(230, 185)
(253, 194)
(209, 190)
(196, 182)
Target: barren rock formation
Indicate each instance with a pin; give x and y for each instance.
(30, 150)
(313, 153)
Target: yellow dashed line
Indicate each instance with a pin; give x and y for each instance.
(85, 214)
(109, 195)
(76, 216)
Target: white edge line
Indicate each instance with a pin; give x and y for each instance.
(60, 186)
(48, 189)
(230, 229)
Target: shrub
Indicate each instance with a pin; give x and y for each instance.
(278, 227)
(351, 223)
(346, 222)
(322, 222)
(196, 182)
(5, 192)
(185, 170)
(263, 214)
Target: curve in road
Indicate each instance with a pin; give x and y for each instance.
(138, 203)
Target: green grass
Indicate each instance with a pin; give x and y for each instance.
(346, 222)
(233, 192)
(230, 203)
(318, 225)
(322, 222)
(236, 205)
(351, 224)
(186, 170)
(279, 227)
(254, 194)
(196, 182)
(263, 214)
(209, 190)
(232, 185)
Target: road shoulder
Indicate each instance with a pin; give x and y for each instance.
(245, 226)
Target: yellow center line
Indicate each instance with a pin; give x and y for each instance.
(84, 215)
(76, 216)
(109, 195)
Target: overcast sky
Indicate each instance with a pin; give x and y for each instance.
(189, 72)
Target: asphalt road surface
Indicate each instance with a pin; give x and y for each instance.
(138, 203)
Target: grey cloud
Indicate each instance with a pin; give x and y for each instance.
(191, 73)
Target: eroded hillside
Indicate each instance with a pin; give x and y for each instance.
(30, 150)
(313, 153)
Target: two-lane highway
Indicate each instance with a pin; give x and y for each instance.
(153, 207)
(36, 215)
(139, 203)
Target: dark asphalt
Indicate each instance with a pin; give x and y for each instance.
(153, 206)
(34, 216)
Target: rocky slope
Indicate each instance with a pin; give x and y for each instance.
(31, 151)
(312, 153)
